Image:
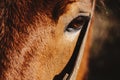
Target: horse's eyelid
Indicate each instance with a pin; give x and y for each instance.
(84, 14)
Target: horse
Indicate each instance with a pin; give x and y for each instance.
(45, 40)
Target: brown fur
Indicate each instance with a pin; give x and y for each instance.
(16, 31)
(27, 32)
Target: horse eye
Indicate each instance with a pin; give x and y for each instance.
(76, 24)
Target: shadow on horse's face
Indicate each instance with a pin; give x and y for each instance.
(37, 45)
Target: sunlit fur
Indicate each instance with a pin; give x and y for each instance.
(33, 45)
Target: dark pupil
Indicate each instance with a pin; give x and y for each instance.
(77, 23)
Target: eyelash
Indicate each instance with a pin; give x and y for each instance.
(77, 23)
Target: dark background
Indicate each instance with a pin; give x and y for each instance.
(104, 60)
